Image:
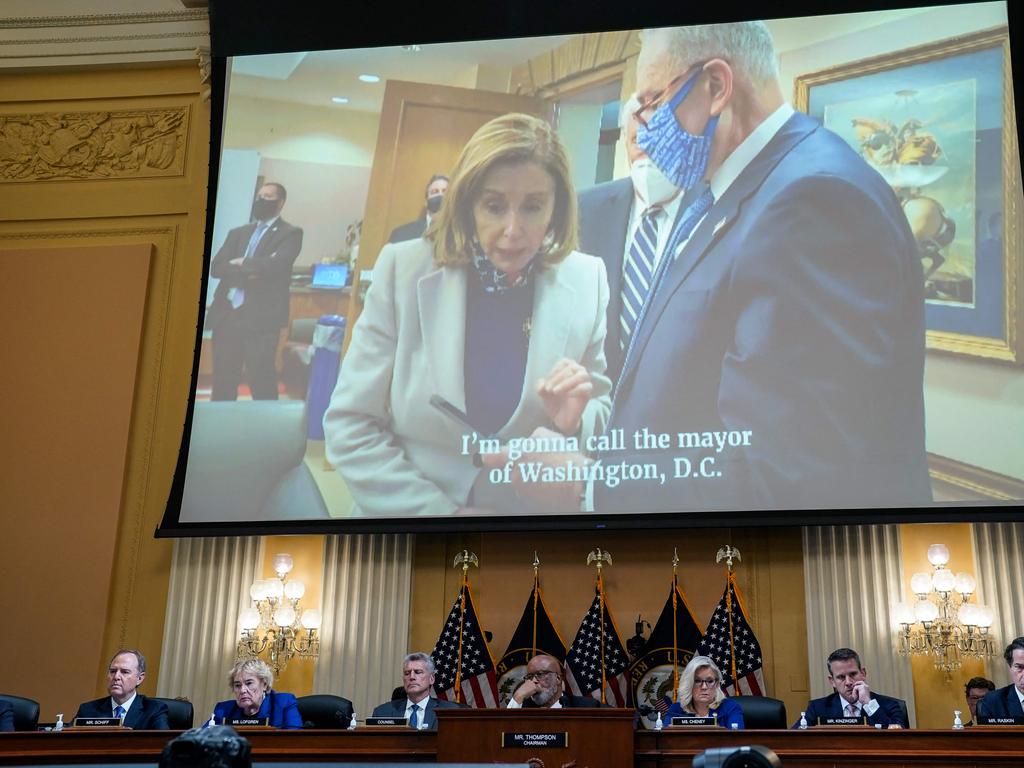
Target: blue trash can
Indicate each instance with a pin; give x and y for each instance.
(323, 374)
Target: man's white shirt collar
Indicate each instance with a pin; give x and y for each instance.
(742, 156)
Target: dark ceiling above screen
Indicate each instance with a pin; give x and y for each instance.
(769, 380)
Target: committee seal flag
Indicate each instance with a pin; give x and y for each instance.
(465, 667)
(730, 642)
(535, 634)
(654, 676)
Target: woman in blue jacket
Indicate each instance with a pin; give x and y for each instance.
(701, 695)
(250, 682)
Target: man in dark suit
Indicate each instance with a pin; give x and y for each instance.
(977, 688)
(250, 306)
(781, 354)
(6, 716)
(434, 196)
(125, 674)
(418, 707)
(853, 697)
(1008, 701)
(612, 218)
(544, 687)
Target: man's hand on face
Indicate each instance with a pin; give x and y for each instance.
(862, 692)
(526, 691)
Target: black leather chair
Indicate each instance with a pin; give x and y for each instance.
(398, 693)
(26, 711)
(762, 712)
(322, 710)
(180, 714)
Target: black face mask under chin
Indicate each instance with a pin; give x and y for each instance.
(434, 203)
(264, 209)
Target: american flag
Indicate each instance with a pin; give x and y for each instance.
(477, 681)
(729, 641)
(583, 662)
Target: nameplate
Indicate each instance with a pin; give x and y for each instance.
(98, 722)
(1009, 720)
(248, 721)
(533, 740)
(372, 721)
(843, 720)
(695, 722)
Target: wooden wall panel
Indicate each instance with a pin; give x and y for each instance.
(134, 176)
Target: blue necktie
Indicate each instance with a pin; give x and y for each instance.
(119, 711)
(237, 295)
(685, 225)
(414, 719)
(638, 271)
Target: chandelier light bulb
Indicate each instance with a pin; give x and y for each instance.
(283, 565)
(284, 616)
(985, 616)
(249, 619)
(903, 613)
(294, 590)
(943, 580)
(258, 590)
(311, 619)
(275, 589)
(938, 554)
(968, 614)
(965, 584)
(921, 584)
(925, 611)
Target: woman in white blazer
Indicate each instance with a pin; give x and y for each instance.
(491, 310)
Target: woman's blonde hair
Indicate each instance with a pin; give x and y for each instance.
(686, 682)
(258, 667)
(512, 139)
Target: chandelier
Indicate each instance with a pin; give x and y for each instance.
(275, 625)
(943, 623)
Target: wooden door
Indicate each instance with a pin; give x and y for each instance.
(423, 128)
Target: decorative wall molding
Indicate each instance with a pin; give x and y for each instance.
(131, 143)
(88, 20)
(63, 40)
(956, 481)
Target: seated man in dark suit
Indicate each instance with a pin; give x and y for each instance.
(418, 705)
(544, 686)
(977, 688)
(853, 697)
(6, 716)
(125, 674)
(1008, 701)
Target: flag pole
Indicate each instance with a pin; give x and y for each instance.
(600, 557)
(465, 558)
(536, 586)
(675, 628)
(727, 553)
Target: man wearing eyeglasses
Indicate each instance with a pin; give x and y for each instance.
(787, 312)
(544, 687)
(1007, 702)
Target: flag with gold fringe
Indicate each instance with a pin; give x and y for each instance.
(597, 664)
(730, 642)
(465, 667)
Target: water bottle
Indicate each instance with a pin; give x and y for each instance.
(212, 722)
(958, 724)
(803, 721)
(658, 725)
(59, 725)
(352, 722)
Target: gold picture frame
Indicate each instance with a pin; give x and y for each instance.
(990, 324)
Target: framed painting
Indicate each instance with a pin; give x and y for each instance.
(937, 122)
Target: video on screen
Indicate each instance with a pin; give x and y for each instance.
(758, 266)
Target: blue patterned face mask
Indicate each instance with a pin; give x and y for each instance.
(681, 155)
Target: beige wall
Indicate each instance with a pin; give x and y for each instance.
(103, 350)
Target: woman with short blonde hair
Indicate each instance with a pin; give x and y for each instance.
(701, 695)
(250, 681)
